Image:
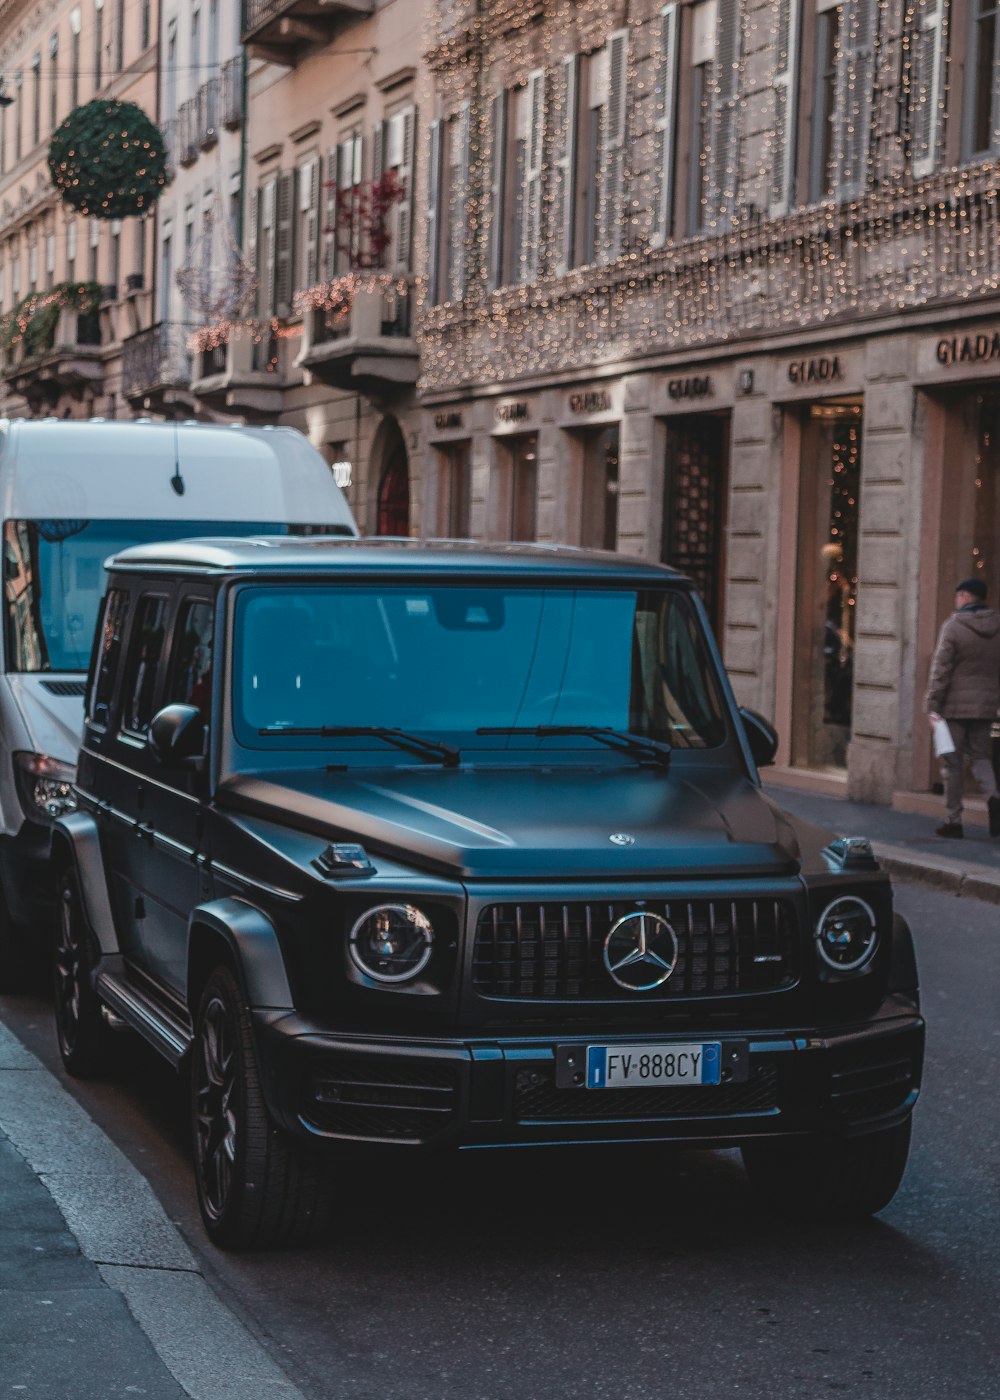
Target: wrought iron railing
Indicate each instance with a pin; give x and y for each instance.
(231, 98)
(155, 357)
(933, 242)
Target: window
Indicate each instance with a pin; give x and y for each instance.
(307, 240)
(116, 254)
(107, 651)
(518, 124)
(50, 258)
(191, 668)
(599, 515)
(983, 102)
(521, 485)
(36, 98)
(53, 82)
(213, 37)
(75, 21)
(590, 165)
(32, 260)
(194, 57)
(145, 651)
(98, 43)
(454, 483)
(119, 36)
(70, 250)
(18, 109)
(345, 166)
(166, 276)
(448, 229)
(716, 52)
(95, 247)
(15, 277)
(144, 25)
(394, 153)
(170, 76)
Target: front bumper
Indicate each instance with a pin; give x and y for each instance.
(507, 1091)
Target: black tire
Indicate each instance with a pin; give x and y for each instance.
(257, 1188)
(829, 1178)
(84, 1038)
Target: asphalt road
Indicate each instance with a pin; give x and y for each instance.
(580, 1275)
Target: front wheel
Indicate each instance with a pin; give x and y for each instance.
(830, 1179)
(84, 1037)
(256, 1187)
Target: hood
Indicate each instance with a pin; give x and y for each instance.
(514, 823)
(53, 720)
(983, 621)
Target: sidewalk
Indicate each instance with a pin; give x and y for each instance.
(905, 842)
(99, 1294)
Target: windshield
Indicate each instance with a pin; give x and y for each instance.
(451, 661)
(54, 579)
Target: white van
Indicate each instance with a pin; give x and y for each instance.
(71, 494)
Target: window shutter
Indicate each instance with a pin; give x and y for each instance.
(724, 153)
(401, 248)
(926, 63)
(612, 215)
(330, 216)
(285, 244)
(434, 220)
(533, 174)
(499, 109)
(785, 106)
(564, 204)
(309, 198)
(458, 231)
(664, 124)
(854, 99)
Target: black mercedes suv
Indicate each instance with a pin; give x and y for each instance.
(424, 844)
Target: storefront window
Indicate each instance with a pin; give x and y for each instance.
(454, 490)
(829, 509)
(522, 485)
(599, 522)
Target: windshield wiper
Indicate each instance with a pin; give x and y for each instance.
(425, 748)
(635, 744)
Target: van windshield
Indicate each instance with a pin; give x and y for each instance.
(53, 579)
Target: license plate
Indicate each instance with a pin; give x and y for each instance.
(644, 1066)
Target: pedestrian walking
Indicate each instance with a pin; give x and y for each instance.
(964, 691)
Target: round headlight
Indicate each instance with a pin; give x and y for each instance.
(392, 943)
(846, 935)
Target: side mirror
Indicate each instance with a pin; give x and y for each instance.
(176, 735)
(761, 736)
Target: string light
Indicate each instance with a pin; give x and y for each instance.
(886, 240)
(34, 318)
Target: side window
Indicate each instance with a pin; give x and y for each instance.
(191, 667)
(145, 652)
(107, 653)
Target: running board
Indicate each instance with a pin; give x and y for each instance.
(164, 1032)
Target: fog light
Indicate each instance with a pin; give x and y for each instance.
(45, 786)
(392, 943)
(846, 934)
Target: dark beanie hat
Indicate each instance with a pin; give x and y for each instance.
(975, 586)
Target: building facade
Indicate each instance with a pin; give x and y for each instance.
(199, 217)
(719, 283)
(335, 102)
(62, 349)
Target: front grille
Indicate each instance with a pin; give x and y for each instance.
(537, 1100)
(379, 1096)
(726, 947)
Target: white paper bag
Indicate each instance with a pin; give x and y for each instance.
(943, 742)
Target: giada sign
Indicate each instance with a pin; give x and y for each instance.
(968, 349)
(824, 369)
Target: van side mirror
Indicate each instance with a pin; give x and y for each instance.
(176, 735)
(761, 736)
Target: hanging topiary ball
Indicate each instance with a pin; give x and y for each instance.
(108, 160)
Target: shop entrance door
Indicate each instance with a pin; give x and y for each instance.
(827, 585)
(694, 503)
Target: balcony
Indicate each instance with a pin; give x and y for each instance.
(280, 30)
(242, 377)
(367, 348)
(65, 359)
(231, 93)
(156, 366)
(900, 250)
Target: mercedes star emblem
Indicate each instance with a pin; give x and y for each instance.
(621, 838)
(640, 952)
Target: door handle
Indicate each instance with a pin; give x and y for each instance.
(144, 830)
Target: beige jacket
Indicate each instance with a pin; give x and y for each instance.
(965, 672)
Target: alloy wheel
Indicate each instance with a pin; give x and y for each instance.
(216, 1091)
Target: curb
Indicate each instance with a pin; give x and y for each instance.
(950, 876)
(120, 1225)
